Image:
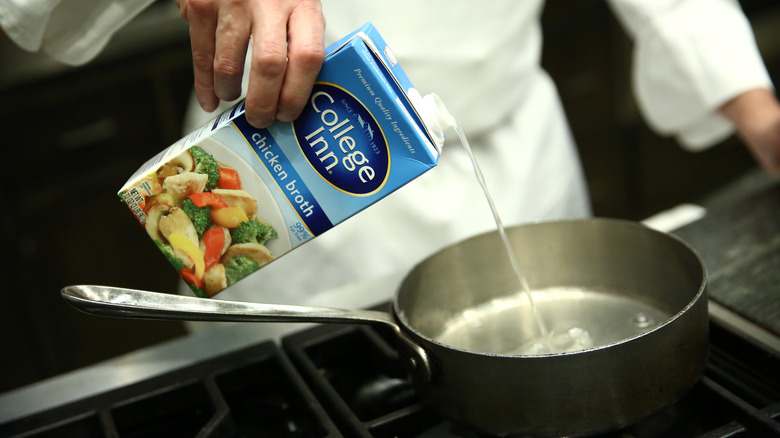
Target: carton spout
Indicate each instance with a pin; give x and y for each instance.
(434, 115)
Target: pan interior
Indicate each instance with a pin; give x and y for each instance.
(593, 275)
(578, 319)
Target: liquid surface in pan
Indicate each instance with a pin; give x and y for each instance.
(577, 320)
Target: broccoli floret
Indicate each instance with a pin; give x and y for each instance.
(200, 216)
(205, 164)
(253, 231)
(239, 267)
(167, 251)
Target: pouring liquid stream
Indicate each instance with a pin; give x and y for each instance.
(572, 337)
(524, 287)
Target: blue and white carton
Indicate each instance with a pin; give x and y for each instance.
(228, 198)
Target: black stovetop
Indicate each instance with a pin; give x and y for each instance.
(739, 240)
(347, 381)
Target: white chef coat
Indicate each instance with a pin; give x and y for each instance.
(511, 114)
(690, 57)
(71, 31)
(483, 61)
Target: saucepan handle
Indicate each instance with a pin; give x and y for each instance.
(140, 304)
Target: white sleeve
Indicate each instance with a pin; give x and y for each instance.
(71, 31)
(690, 57)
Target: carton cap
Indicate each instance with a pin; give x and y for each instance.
(433, 113)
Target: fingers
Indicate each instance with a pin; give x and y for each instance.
(287, 53)
(268, 64)
(202, 18)
(232, 35)
(305, 53)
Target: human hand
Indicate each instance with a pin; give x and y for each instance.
(756, 115)
(287, 38)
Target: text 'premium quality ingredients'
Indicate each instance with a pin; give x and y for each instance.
(228, 199)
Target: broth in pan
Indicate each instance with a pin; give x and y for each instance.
(579, 320)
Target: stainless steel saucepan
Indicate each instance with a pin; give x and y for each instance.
(623, 309)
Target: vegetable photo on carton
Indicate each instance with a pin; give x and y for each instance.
(228, 198)
(203, 221)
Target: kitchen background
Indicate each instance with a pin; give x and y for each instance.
(72, 136)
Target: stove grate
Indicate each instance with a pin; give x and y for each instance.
(333, 381)
(356, 373)
(250, 392)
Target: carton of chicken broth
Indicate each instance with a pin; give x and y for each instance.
(229, 198)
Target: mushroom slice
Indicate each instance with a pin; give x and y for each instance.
(177, 221)
(181, 163)
(238, 198)
(184, 161)
(185, 184)
(153, 216)
(160, 198)
(255, 251)
(214, 280)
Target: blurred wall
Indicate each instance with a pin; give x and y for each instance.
(71, 138)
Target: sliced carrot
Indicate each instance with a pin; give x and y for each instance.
(229, 179)
(207, 198)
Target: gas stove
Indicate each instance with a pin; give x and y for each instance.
(347, 381)
(281, 380)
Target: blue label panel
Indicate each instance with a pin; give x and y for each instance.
(342, 141)
(286, 177)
